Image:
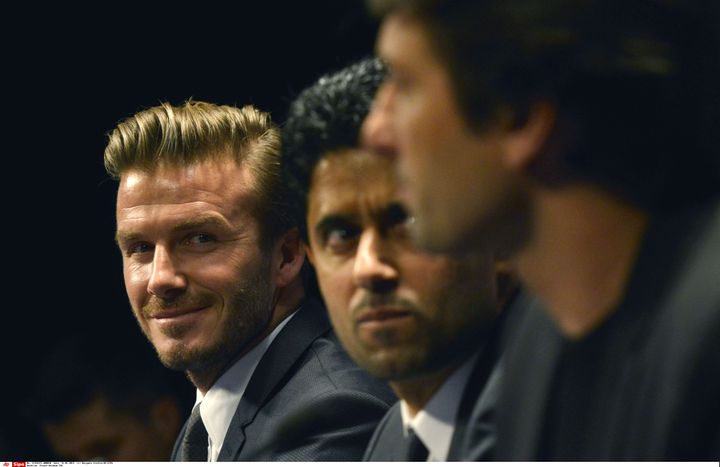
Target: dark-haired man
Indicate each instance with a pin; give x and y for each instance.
(107, 398)
(580, 138)
(423, 322)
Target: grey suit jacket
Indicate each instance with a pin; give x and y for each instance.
(656, 379)
(306, 400)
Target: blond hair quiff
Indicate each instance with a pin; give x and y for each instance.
(196, 132)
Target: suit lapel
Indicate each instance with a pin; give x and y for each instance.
(531, 356)
(175, 456)
(390, 441)
(309, 323)
(478, 401)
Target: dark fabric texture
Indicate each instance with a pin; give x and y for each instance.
(194, 445)
(306, 400)
(643, 386)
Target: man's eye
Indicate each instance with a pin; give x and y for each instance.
(138, 248)
(400, 81)
(200, 239)
(397, 221)
(341, 238)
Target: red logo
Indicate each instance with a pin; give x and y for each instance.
(19, 464)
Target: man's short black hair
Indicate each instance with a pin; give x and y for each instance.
(325, 117)
(635, 83)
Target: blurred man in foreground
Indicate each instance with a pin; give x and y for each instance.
(581, 139)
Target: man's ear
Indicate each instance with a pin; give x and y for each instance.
(289, 255)
(525, 143)
(309, 253)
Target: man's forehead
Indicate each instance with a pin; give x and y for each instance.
(354, 196)
(197, 182)
(399, 34)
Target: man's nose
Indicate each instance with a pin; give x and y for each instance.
(166, 280)
(375, 267)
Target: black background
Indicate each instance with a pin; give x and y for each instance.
(71, 73)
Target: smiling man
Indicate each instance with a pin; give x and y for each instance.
(212, 264)
(423, 322)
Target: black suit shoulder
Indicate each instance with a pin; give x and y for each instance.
(319, 405)
(388, 441)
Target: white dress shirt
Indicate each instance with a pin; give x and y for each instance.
(435, 423)
(220, 402)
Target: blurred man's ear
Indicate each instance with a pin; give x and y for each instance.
(525, 143)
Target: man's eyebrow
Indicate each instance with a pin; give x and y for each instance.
(189, 224)
(125, 237)
(200, 222)
(393, 213)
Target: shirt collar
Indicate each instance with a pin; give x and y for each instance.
(435, 423)
(221, 401)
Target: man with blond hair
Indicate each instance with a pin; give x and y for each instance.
(212, 262)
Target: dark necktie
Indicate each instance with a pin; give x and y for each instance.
(416, 450)
(194, 446)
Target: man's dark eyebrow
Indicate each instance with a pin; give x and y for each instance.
(394, 213)
(190, 224)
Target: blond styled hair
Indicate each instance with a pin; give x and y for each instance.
(195, 132)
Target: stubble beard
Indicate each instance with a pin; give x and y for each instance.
(395, 357)
(249, 310)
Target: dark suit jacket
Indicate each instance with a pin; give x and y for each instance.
(478, 397)
(654, 371)
(306, 400)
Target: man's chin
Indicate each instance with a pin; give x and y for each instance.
(181, 357)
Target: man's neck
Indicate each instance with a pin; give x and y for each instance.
(416, 393)
(582, 252)
(285, 302)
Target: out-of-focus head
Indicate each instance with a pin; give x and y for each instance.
(486, 98)
(206, 234)
(107, 398)
(399, 312)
